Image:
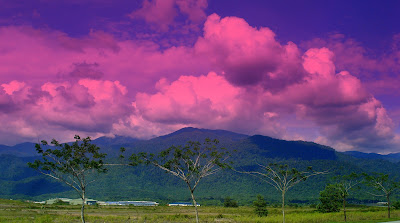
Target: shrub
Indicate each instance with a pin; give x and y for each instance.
(330, 199)
(228, 202)
(60, 202)
(396, 205)
(260, 206)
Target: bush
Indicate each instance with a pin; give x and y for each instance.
(228, 202)
(396, 205)
(60, 202)
(260, 206)
(330, 199)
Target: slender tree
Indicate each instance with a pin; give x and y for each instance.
(71, 164)
(190, 163)
(282, 178)
(345, 184)
(383, 184)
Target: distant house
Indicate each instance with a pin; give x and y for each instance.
(91, 202)
(134, 203)
(382, 203)
(183, 204)
(69, 201)
(94, 202)
(57, 200)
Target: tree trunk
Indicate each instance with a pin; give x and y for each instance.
(83, 208)
(283, 206)
(195, 207)
(388, 203)
(344, 209)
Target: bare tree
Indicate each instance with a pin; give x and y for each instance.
(190, 163)
(70, 164)
(381, 182)
(282, 178)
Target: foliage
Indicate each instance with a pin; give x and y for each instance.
(330, 199)
(229, 202)
(60, 202)
(70, 164)
(18, 181)
(344, 184)
(282, 178)
(382, 184)
(32, 213)
(260, 206)
(190, 163)
(396, 205)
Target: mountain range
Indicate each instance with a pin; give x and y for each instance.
(146, 182)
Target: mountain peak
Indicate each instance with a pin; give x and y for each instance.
(272, 147)
(205, 132)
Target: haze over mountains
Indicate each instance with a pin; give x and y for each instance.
(18, 181)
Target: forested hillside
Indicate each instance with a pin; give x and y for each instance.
(148, 183)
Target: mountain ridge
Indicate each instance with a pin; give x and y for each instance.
(112, 144)
(147, 182)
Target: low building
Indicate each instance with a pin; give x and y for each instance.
(183, 204)
(69, 201)
(382, 203)
(134, 203)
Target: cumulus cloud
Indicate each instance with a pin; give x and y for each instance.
(205, 101)
(90, 106)
(351, 56)
(45, 55)
(235, 77)
(249, 56)
(336, 102)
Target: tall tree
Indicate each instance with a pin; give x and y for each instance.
(282, 178)
(345, 184)
(190, 163)
(71, 164)
(383, 184)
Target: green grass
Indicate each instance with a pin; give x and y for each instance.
(18, 211)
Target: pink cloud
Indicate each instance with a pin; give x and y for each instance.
(98, 84)
(205, 101)
(162, 13)
(194, 9)
(159, 12)
(90, 106)
(349, 54)
(13, 86)
(96, 56)
(249, 56)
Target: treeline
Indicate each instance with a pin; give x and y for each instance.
(78, 165)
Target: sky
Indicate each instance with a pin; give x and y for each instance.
(322, 71)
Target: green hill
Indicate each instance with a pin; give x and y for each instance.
(150, 183)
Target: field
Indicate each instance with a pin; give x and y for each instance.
(18, 211)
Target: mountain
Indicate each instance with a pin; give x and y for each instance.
(268, 147)
(195, 134)
(150, 183)
(108, 144)
(116, 140)
(392, 157)
(25, 149)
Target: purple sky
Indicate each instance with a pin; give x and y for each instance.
(323, 71)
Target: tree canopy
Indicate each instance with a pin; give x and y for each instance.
(71, 164)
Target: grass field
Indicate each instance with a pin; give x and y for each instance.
(18, 211)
